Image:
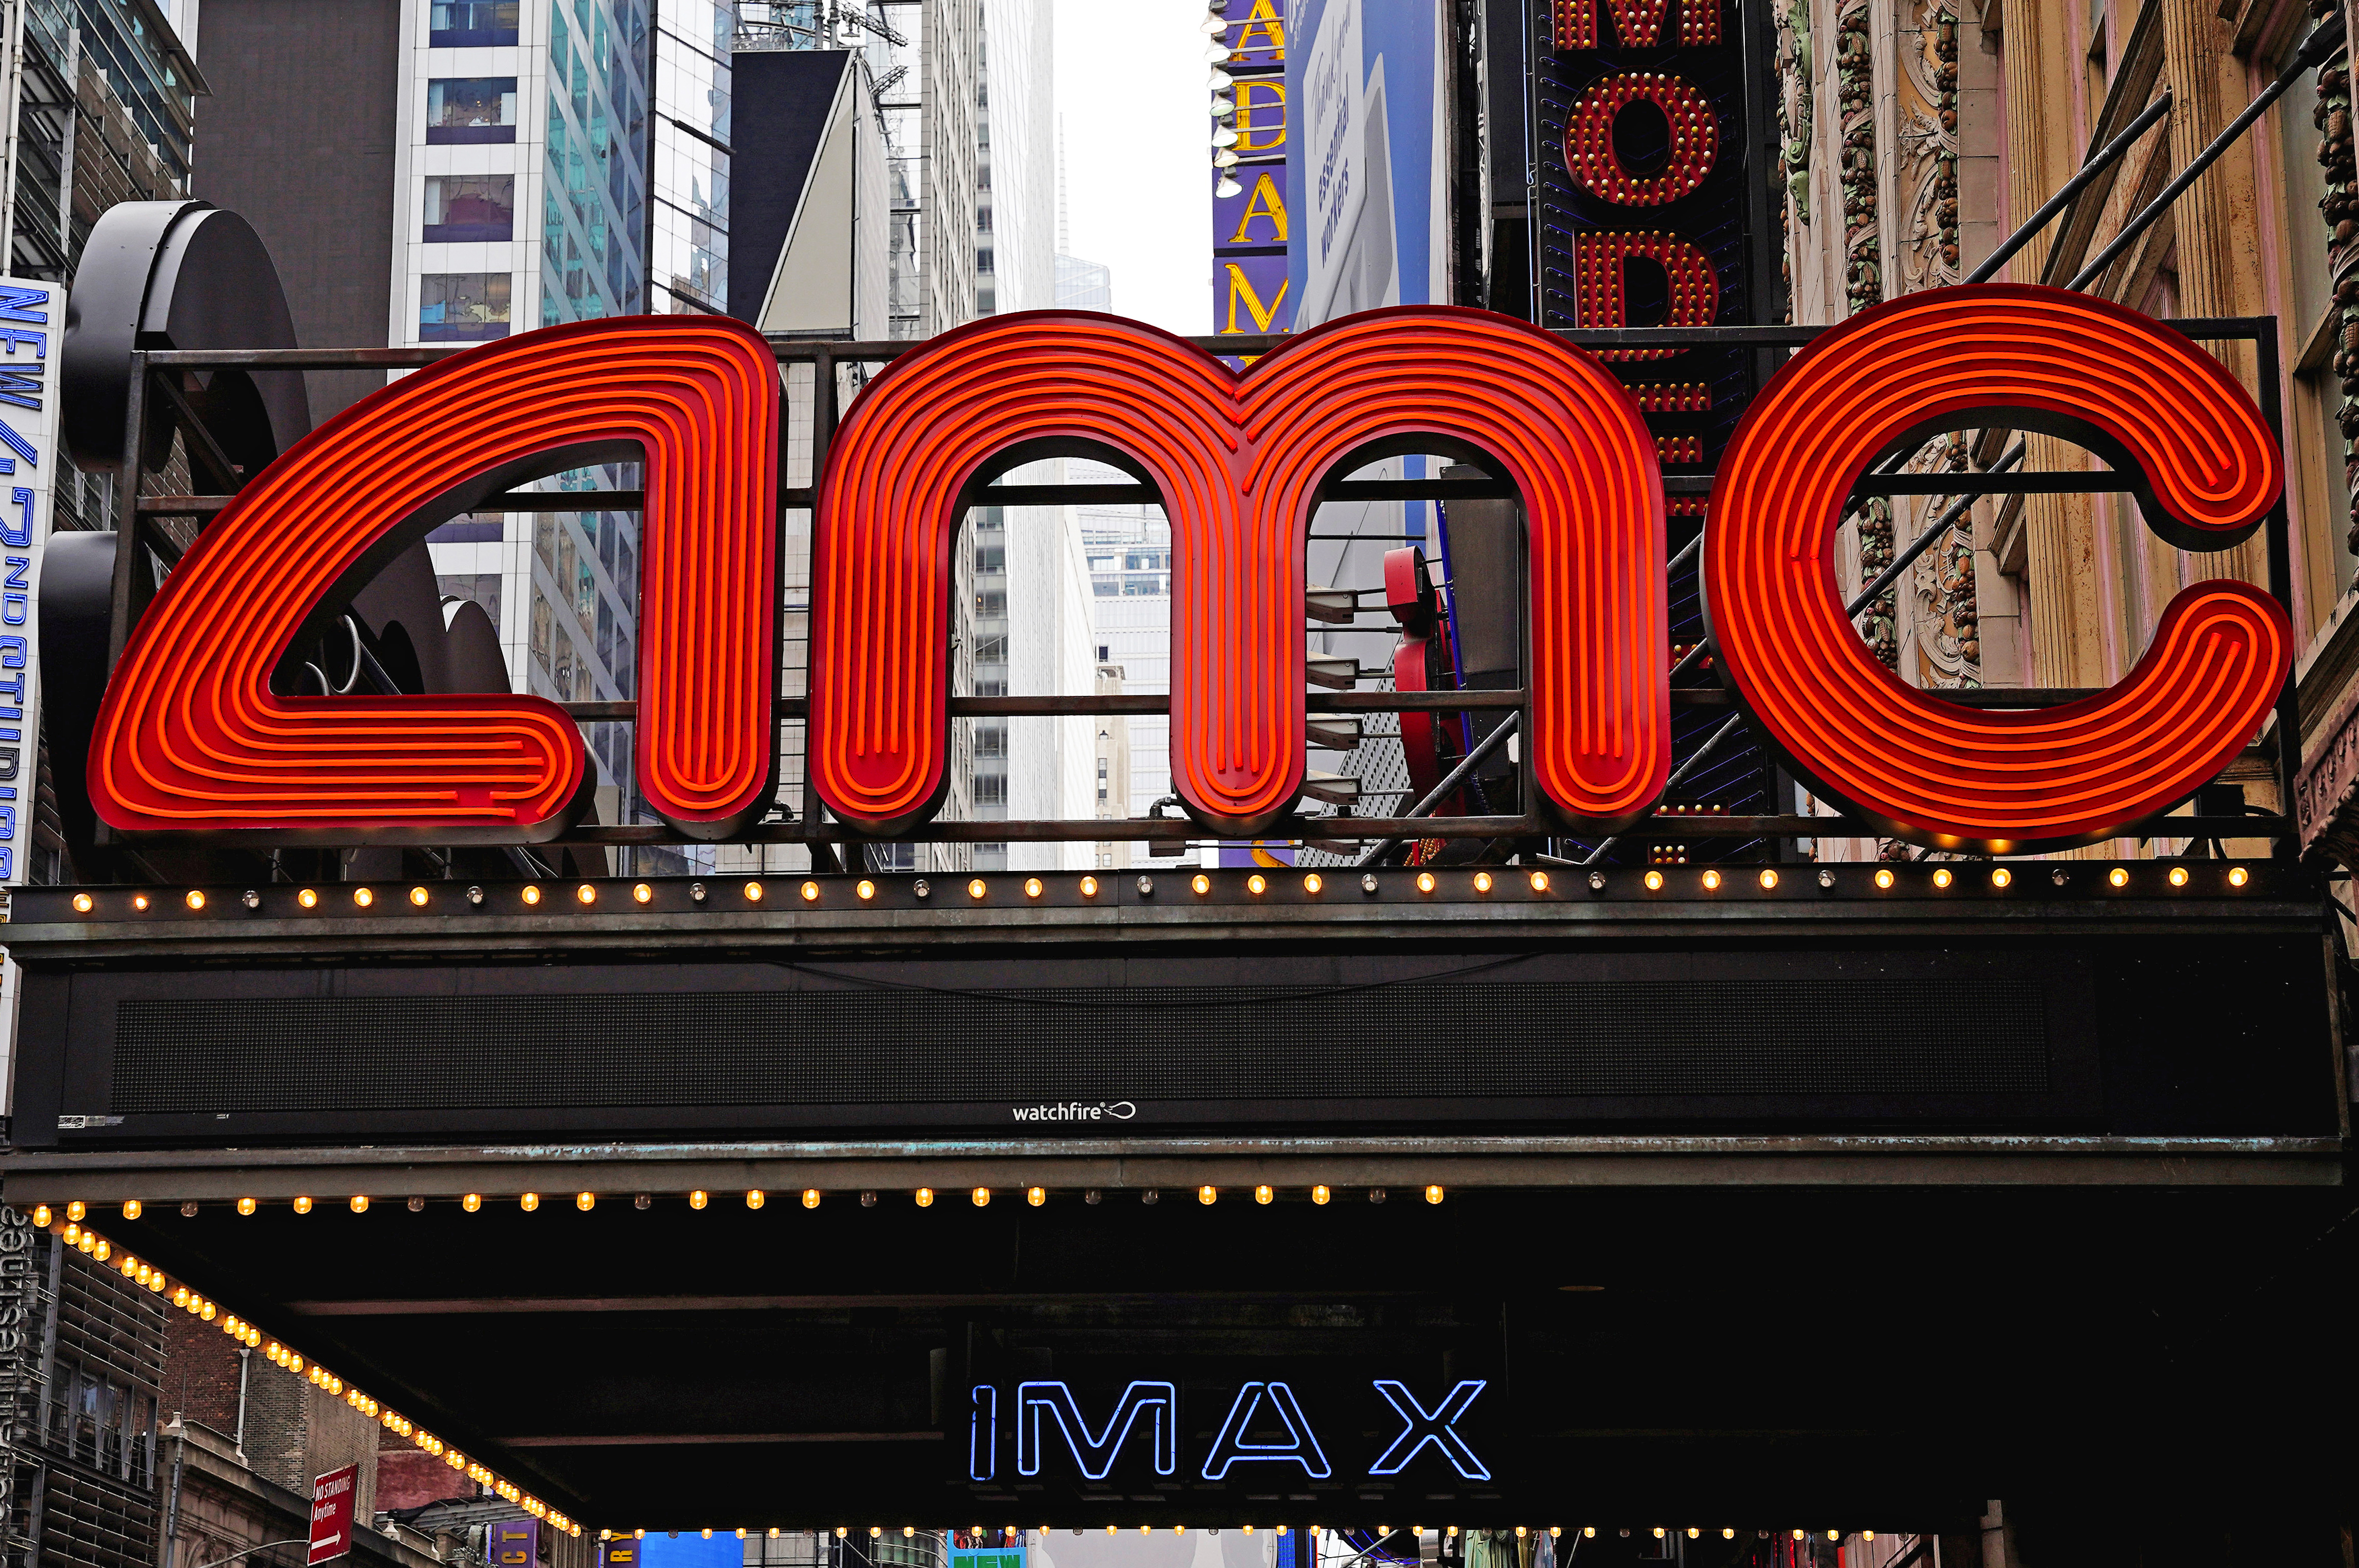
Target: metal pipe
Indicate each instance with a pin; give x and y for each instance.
(1458, 775)
(1924, 541)
(245, 1363)
(2323, 41)
(2099, 160)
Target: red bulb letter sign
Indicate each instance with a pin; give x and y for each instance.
(192, 737)
(1930, 770)
(1239, 462)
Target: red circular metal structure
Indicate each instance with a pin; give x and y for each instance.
(1933, 771)
(1239, 461)
(190, 735)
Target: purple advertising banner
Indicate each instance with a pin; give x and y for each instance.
(515, 1543)
(1251, 223)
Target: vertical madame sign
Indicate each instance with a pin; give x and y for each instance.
(31, 315)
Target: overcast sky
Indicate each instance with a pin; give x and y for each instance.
(1131, 96)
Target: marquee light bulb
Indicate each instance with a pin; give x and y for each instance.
(1769, 878)
(360, 1203)
(811, 892)
(982, 1197)
(196, 899)
(925, 1197)
(753, 892)
(866, 890)
(1089, 886)
(1032, 888)
(1884, 878)
(1035, 1196)
(1312, 883)
(2001, 876)
(1433, 1193)
(2119, 876)
(585, 1202)
(139, 902)
(1263, 1194)
(1711, 881)
(1482, 881)
(1200, 883)
(531, 894)
(1208, 1195)
(2238, 876)
(642, 892)
(41, 1216)
(1257, 884)
(472, 1201)
(363, 898)
(130, 1208)
(1425, 881)
(1728, 1535)
(1319, 1195)
(586, 894)
(811, 1197)
(2178, 877)
(302, 1205)
(1539, 881)
(418, 896)
(530, 1201)
(755, 1198)
(82, 903)
(975, 889)
(1653, 881)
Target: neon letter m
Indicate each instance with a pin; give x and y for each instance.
(1095, 1452)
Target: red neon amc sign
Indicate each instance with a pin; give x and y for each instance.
(192, 738)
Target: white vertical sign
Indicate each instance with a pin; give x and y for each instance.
(32, 318)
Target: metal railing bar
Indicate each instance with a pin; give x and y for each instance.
(809, 349)
(1991, 482)
(508, 501)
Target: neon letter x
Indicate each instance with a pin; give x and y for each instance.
(1437, 1426)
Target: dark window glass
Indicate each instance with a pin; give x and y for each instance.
(460, 208)
(462, 307)
(471, 108)
(472, 24)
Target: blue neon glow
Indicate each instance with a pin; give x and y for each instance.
(982, 1433)
(1301, 1447)
(1437, 1426)
(1095, 1452)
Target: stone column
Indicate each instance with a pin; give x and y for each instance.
(2059, 542)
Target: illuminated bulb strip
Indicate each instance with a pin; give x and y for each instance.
(196, 1305)
(1636, 24)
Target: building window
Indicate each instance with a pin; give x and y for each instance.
(990, 558)
(472, 24)
(463, 208)
(990, 789)
(462, 307)
(471, 108)
(991, 740)
(991, 650)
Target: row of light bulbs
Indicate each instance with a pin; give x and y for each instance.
(150, 1277)
(1219, 84)
(756, 1197)
(978, 888)
(1013, 1531)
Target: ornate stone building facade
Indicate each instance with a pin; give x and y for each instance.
(1915, 135)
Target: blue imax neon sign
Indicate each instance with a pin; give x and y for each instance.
(1050, 1420)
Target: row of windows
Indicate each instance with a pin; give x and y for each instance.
(473, 24)
(1140, 587)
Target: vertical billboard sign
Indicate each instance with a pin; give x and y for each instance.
(31, 315)
(1251, 220)
(1646, 215)
(1370, 157)
(515, 1543)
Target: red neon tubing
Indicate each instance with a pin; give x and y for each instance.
(1238, 459)
(1931, 771)
(190, 738)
